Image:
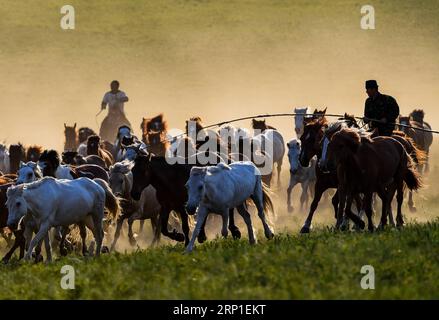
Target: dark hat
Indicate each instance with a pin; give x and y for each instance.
(370, 84)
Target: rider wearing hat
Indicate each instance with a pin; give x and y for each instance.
(380, 110)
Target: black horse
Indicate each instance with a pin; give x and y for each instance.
(169, 181)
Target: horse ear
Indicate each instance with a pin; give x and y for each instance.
(324, 110)
(65, 126)
(74, 126)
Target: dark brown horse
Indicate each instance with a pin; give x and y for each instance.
(33, 153)
(366, 165)
(422, 139)
(94, 148)
(17, 153)
(169, 182)
(71, 138)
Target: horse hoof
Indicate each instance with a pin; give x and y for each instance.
(179, 237)
(236, 234)
(413, 209)
(269, 235)
(63, 251)
(105, 249)
(361, 225)
(305, 229)
(132, 241)
(290, 209)
(201, 238)
(39, 258)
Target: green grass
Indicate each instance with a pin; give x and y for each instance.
(322, 265)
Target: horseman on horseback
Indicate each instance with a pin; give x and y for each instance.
(115, 100)
(380, 110)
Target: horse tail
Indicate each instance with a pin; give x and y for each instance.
(412, 177)
(266, 198)
(419, 156)
(112, 203)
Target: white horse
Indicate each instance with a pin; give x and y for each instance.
(306, 176)
(299, 120)
(59, 203)
(4, 159)
(271, 143)
(28, 172)
(121, 182)
(217, 188)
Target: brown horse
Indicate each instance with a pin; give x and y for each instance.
(73, 158)
(33, 153)
(94, 148)
(17, 153)
(422, 139)
(261, 125)
(154, 131)
(155, 124)
(366, 165)
(71, 138)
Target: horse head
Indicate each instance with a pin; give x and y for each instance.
(141, 175)
(28, 172)
(49, 162)
(310, 140)
(93, 145)
(195, 188)
(16, 204)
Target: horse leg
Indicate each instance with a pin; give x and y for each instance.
(185, 225)
(246, 216)
(44, 228)
(225, 216)
(83, 234)
(349, 214)
(304, 195)
(163, 218)
(131, 237)
(341, 207)
(384, 210)
(202, 235)
(400, 199)
(334, 202)
(155, 229)
(258, 199)
(119, 224)
(318, 192)
(369, 211)
(279, 168)
(289, 189)
(48, 248)
(202, 214)
(411, 203)
(141, 225)
(236, 234)
(18, 242)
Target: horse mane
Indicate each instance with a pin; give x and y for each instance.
(36, 184)
(417, 115)
(122, 167)
(196, 171)
(350, 138)
(334, 127)
(218, 168)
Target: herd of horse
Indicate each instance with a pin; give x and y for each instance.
(45, 195)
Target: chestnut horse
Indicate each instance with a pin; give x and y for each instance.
(366, 165)
(94, 148)
(17, 153)
(154, 135)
